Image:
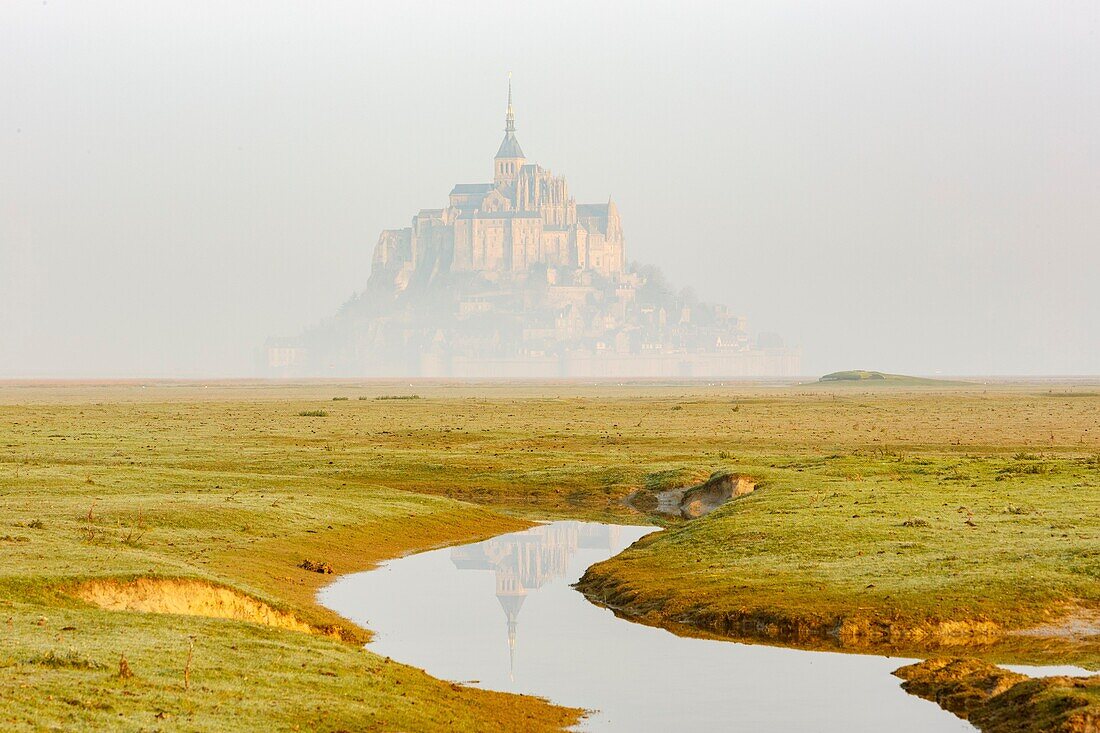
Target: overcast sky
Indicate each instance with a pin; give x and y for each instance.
(906, 186)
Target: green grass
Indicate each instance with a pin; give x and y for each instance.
(172, 490)
(897, 539)
(225, 483)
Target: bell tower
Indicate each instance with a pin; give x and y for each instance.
(509, 158)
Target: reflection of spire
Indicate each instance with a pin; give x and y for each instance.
(525, 561)
(511, 648)
(510, 593)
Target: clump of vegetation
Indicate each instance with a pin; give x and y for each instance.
(998, 701)
(187, 664)
(136, 533)
(339, 399)
(312, 413)
(35, 524)
(398, 397)
(1025, 468)
(89, 529)
(316, 567)
(124, 671)
(71, 659)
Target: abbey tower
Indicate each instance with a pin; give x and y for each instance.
(523, 218)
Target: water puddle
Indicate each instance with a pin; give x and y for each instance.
(501, 614)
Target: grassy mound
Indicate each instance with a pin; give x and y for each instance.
(879, 550)
(998, 701)
(870, 378)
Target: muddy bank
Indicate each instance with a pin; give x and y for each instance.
(857, 631)
(998, 701)
(811, 631)
(692, 502)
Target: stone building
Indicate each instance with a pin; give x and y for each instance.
(525, 217)
(514, 279)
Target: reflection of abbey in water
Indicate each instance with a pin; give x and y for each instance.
(525, 561)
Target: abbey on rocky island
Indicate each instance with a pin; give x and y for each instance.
(523, 218)
(514, 278)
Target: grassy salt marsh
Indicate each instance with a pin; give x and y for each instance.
(900, 514)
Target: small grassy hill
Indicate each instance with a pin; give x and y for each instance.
(869, 378)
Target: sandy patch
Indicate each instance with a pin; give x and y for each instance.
(1079, 624)
(186, 598)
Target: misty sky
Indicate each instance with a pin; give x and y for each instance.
(906, 186)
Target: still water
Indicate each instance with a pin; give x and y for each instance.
(501, 614)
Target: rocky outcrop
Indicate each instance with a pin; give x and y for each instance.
(692, 502)
(713, 493)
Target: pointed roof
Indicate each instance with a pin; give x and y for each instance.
(509, 147)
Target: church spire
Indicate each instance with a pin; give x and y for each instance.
(510, 157)
(510, 118)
